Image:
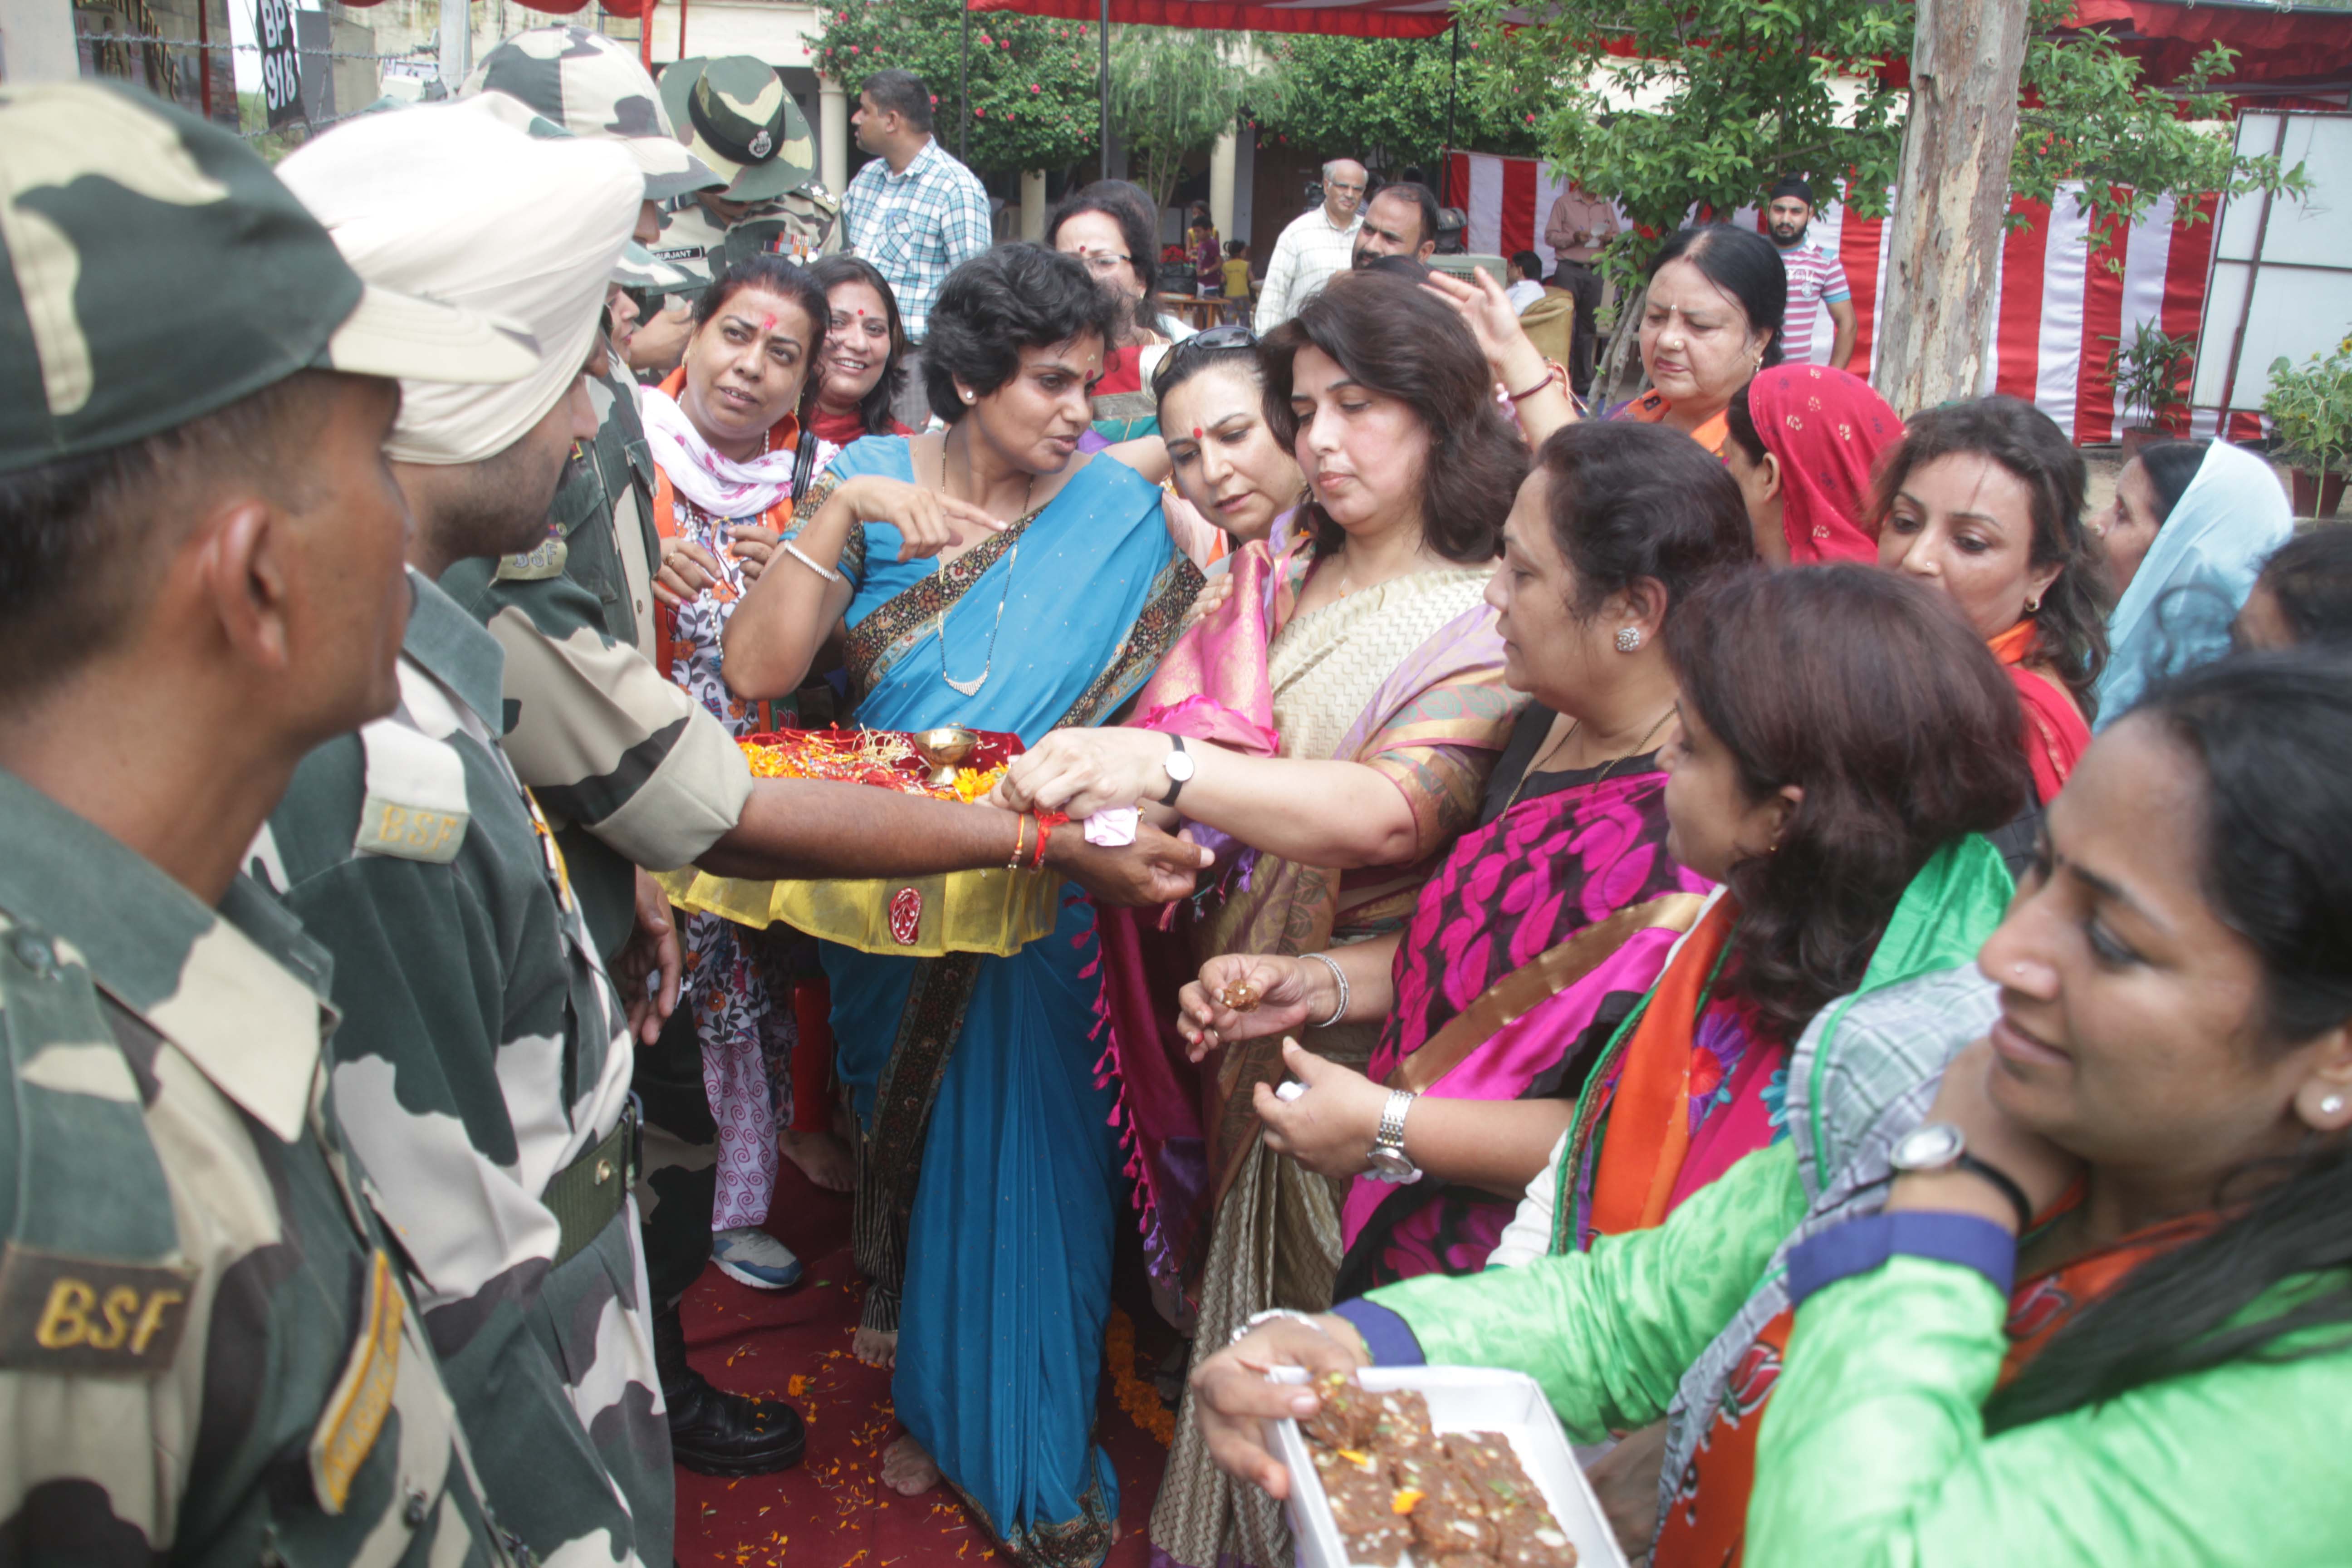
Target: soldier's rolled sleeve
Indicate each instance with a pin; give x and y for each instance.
(606, 741)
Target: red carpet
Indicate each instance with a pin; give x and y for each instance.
(831, 1510)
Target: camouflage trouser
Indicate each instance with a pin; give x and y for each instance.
(681, 1173)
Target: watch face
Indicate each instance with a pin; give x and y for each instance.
(1389, 1163)
(1927, 1147)
(1179, 765)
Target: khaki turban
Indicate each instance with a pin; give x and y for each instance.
(480, 203)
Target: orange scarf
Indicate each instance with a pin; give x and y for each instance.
(2055, 735)
(1649, 1116)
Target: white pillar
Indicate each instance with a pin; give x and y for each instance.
(1033, 206)
(37, 42)
(832, 135)
(1221, 181)
(456, 43)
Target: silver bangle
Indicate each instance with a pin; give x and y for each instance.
(1273, 1314)
(1339, 975)
(827, 573)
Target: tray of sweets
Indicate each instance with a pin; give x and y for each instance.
(1413, 1467)
(990, 911)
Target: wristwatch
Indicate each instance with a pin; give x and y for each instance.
(1941, 1146)
(1179, 765)
(1387, 1157)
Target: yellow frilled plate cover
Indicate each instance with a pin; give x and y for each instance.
(993, 912)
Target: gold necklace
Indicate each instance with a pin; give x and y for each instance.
(1011, 558)
(1556, 746)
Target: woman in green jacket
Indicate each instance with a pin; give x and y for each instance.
(2054, 1267)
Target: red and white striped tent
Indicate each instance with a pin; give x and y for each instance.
(2056, 305)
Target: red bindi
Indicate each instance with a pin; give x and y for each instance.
(767, 324)
(1196, 432)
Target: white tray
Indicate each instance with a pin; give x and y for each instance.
(1461, 1399)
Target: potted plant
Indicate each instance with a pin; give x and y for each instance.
(2310, 405)
(2147, 372)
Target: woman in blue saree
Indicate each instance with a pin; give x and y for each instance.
(989, 1171)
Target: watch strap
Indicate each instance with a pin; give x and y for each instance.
(1175, 784)
(2003, 1182)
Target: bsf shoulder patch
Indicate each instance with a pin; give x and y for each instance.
(415, 807)
(541, 563)
(59, 1313)
(363, 1396)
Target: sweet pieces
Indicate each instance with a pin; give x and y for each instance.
(1240, 996)
(1460, 1502)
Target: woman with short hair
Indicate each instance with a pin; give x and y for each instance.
(2191, 526)
(1112, 227)
(2052, 1266)
(991, 576)
(1983, 502)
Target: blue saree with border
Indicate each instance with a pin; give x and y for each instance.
(989, 1178)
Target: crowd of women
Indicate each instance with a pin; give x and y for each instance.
(1674, 931)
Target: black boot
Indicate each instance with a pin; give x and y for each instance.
(714, 1432)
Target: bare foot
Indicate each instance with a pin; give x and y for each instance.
(823, 1158)
(875, 1347)
(906, 1469)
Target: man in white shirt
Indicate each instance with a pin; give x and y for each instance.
(1317, 244)
(1526, 281)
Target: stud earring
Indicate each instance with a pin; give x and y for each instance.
(2333, 1105)
(1628, 639)
(967, 397)
(2033, 605)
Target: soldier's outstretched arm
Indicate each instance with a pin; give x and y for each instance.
(813, 828)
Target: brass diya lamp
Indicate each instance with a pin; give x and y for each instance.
(945, 750)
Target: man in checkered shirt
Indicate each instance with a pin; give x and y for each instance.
(914, 211)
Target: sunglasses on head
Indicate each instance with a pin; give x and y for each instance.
(1231, 336)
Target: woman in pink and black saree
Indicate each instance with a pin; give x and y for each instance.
(989, 1171)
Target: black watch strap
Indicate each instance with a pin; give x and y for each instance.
(2008, 1187)
(1175, 785)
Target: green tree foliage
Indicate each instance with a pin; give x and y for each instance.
(1353, 95)
(1672, 105)
(1173, 91)
(1033, 79)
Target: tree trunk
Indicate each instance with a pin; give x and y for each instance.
(1937, 329)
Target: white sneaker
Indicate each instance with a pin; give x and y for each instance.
(753, 1257)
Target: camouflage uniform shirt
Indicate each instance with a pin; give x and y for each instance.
(207, 1353)
(632, 771)
(693, 240)
(484, 1052)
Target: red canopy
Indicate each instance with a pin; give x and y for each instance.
(2274, 45)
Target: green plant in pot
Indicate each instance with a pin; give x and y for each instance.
(2310, 408)
(2147, 372)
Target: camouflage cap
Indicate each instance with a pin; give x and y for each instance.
(736, 115)
(641, 268)
(593, 87)
(159, 272)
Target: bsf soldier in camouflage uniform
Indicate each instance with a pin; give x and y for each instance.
(207, 1354)
(634, 772)
(740, 120)
(484, 1072)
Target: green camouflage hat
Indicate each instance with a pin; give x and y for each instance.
(641, 268)
(736, 115)
(158, 272)
(595, 87)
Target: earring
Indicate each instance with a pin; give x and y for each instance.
(967, 397)
(2033, 605)
(2333, 1105)
(1628, 639)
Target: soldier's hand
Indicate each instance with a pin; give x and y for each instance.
(687, 569)
(754, 548)
(647, 970)
(1154, 870)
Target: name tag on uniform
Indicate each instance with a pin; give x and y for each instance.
(66, 1314)
(540, 563)
(363, 1396)
(415, 807)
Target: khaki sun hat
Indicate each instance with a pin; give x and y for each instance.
(595, 88)
(734, 112)
(157, 272)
